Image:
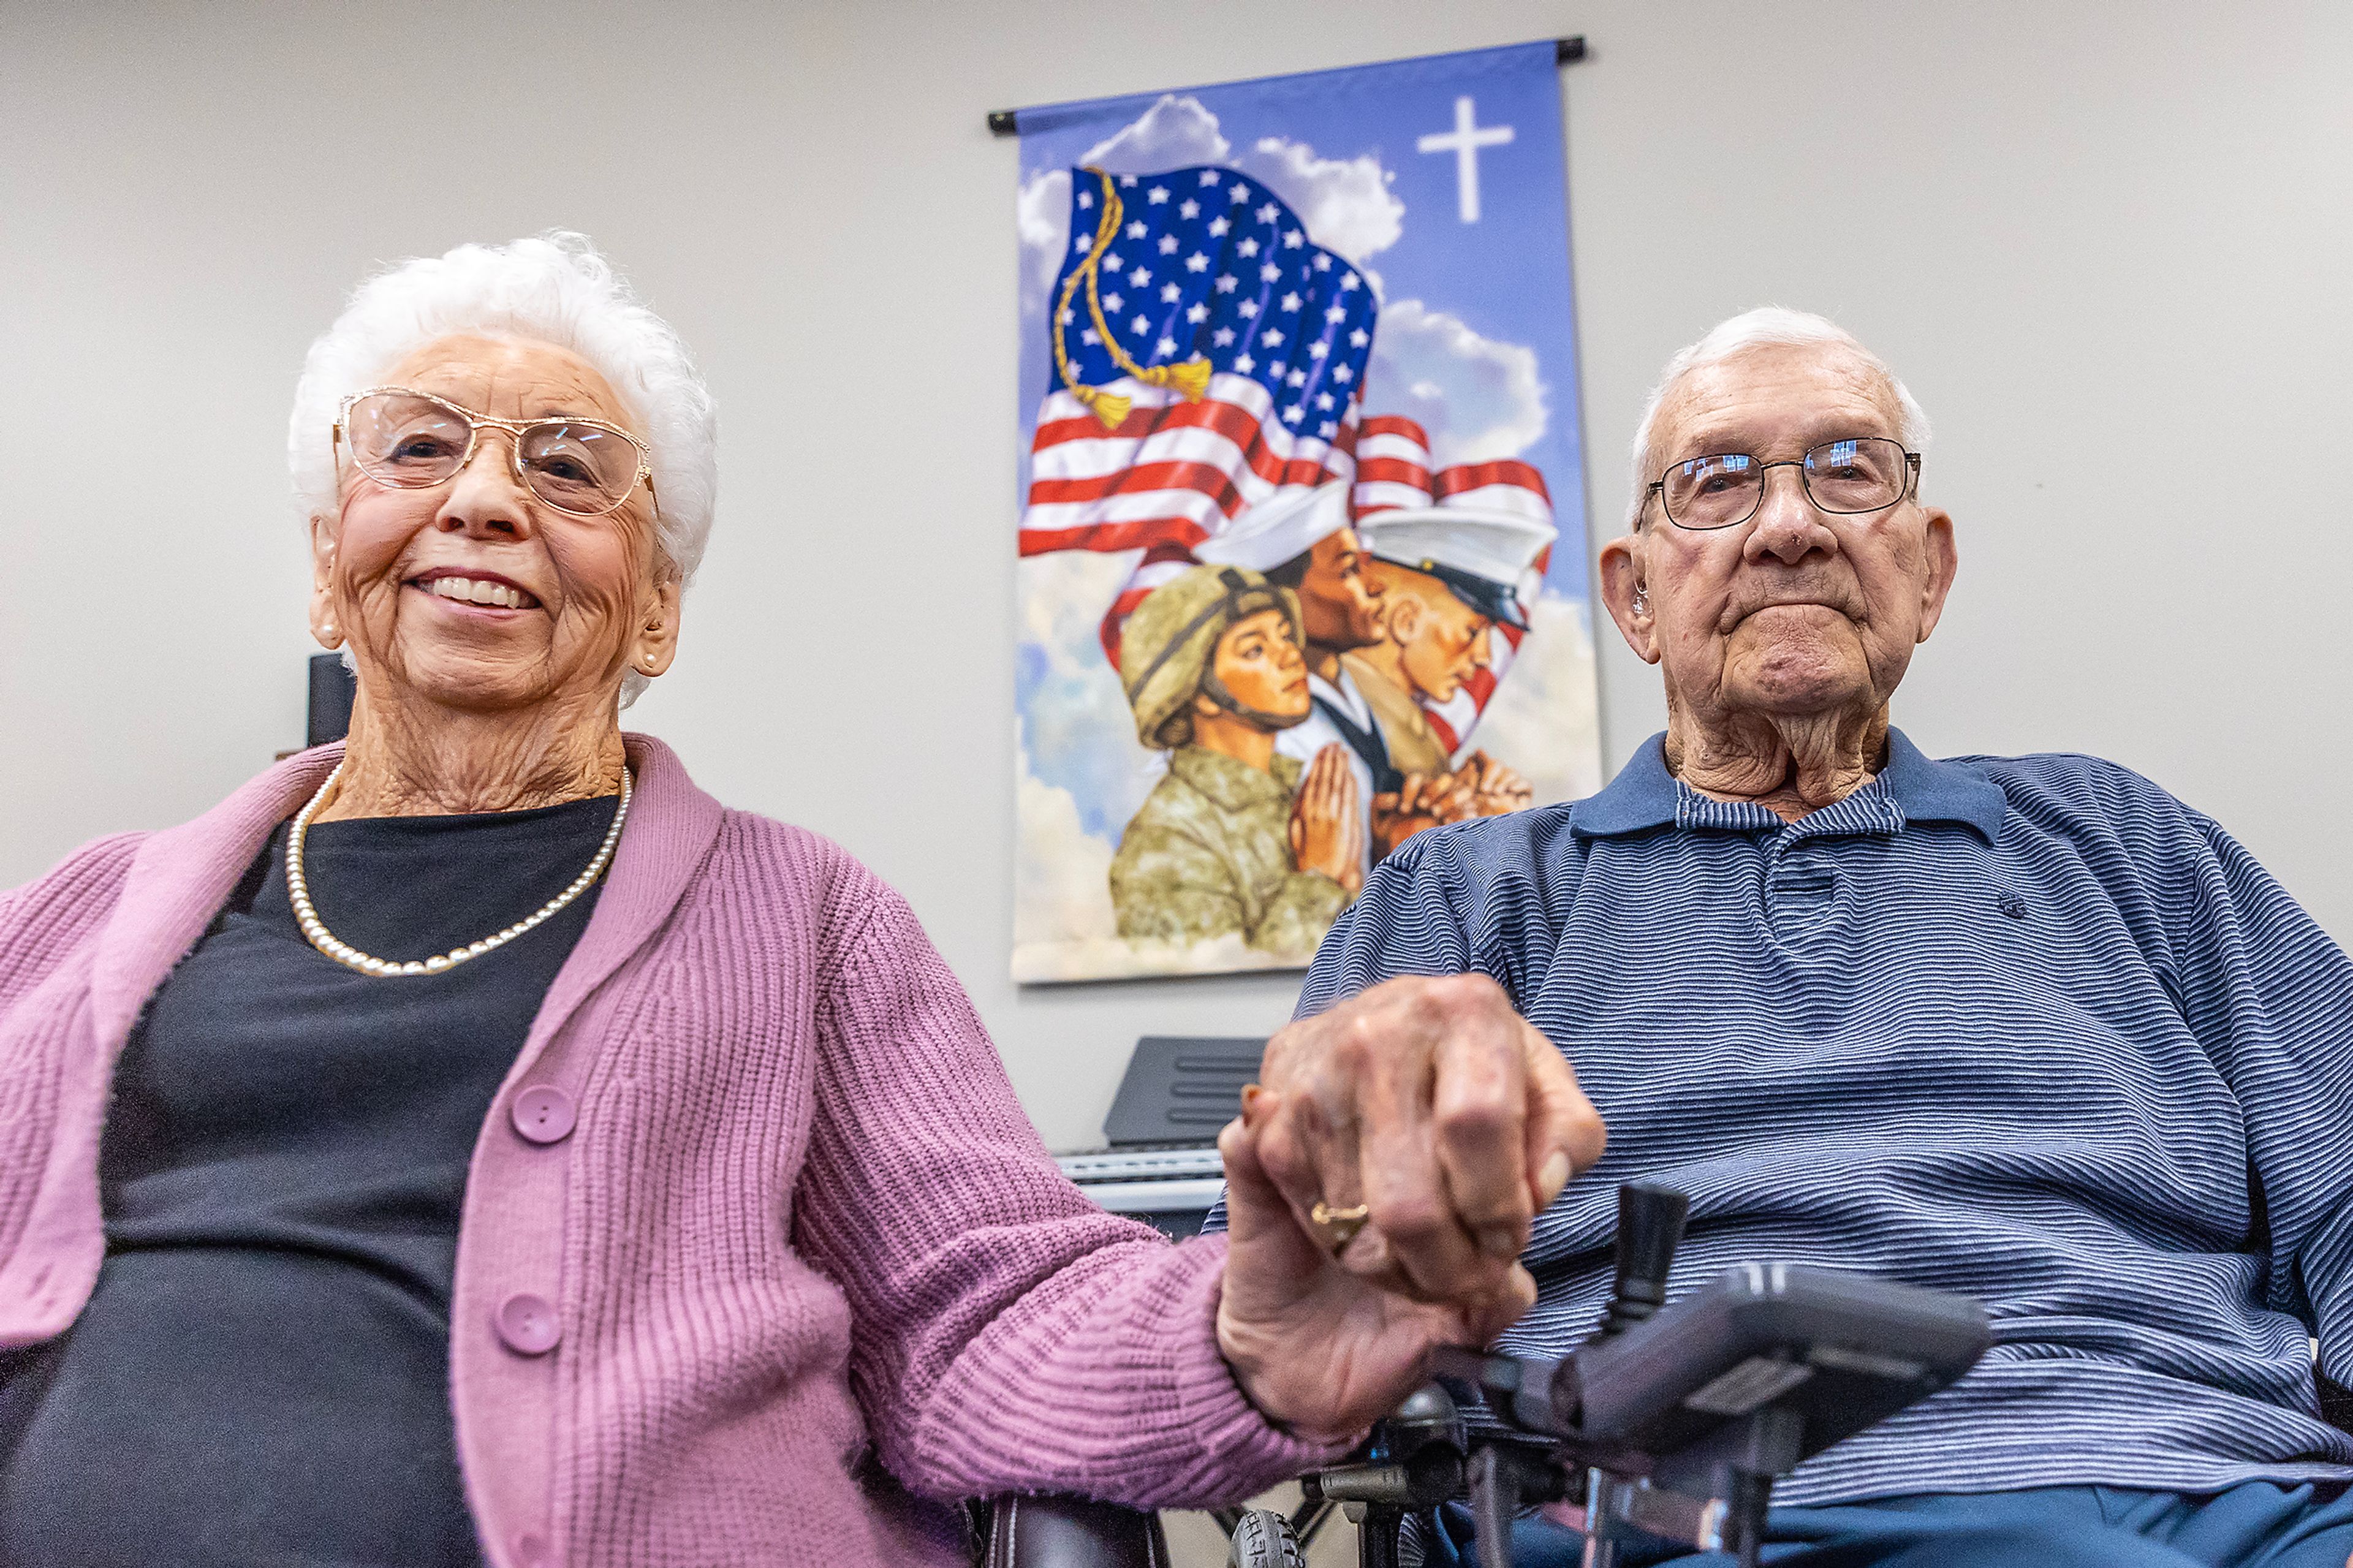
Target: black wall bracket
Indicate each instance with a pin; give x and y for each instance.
(1006, 122)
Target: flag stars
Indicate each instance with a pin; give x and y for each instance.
(1069, 317)
(1157, 194)
(1223, 338)
(1114, 302)
(1086, 200)
(1359, 338)
(1169, 291)
(1292, 239)
(1323, 261)
(1342, 374)
(1293, 415)
(1189, 208)
(1092, 338)
(1127, 182)
(1136, 230)
(1319, 350)
(1323, 400)
(1165, 347)
(1209, 177)
(1336, 314)
(1139, 277)
(1270, 272)
(1247, 248)
(1226, 283)
(1248, 307)
(1290, 303)
(1111, 260)
(1167, 245)
(1082, 243)
(1245, 364)
(1217, 227)
(1297, 378)
(1238, 193)
(1269, 213)
(1272, 338)
(1140, 325)
(1327, 429)
(1197, 313)
(1197, 262)
(1348, 280)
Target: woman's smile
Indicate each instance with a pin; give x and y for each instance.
(475, 592)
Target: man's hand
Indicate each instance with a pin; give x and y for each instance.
(1437, 1107)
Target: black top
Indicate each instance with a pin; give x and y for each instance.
(262, 1375)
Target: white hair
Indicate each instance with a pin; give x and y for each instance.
(555, 287)
(1766, 324)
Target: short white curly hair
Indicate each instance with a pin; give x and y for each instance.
(555, 287)
(1753, 329)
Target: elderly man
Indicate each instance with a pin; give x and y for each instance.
(2026, 1028)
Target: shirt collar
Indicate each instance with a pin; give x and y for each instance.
(1645, 796)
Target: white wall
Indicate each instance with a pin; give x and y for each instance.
(2105, 243)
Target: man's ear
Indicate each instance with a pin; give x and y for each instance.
(1623, 575)
(1403, 618)
(323, 624)
(1944, 562)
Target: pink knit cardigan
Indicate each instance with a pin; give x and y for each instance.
(805, 1260)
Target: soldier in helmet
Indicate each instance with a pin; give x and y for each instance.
(1236, 839)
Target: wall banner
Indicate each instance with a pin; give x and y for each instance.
(1303, 544)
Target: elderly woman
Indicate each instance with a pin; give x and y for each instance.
(2028, 1028)
(475, 1142)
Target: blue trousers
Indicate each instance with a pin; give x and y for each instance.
(2259, 1524)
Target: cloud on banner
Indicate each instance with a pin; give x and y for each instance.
(1251, 343)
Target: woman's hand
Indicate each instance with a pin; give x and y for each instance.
(1326, 830)
(1432, 1113)
(1316, 1348)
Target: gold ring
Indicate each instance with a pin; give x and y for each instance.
(1339, 1226)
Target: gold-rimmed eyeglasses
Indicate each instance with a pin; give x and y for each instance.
(414, 441)
(1853, 475)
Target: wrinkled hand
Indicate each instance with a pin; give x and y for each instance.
(1434, 1104)
(1317, 1347)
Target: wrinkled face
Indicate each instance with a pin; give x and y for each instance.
(1337, 599)
(474, 593)
(1797, 611)
(1262, 667)
(1440, 640)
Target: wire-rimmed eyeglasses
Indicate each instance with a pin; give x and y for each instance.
(1853, 474)
(414, 441)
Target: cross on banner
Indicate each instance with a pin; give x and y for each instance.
(1464, 142)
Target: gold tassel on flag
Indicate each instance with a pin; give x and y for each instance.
(1190, 380)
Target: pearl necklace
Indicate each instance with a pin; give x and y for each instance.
(298, 891)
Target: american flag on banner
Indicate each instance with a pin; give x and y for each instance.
(1206, 357)
(1395, 473)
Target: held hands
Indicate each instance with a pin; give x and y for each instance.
(1435, 1106)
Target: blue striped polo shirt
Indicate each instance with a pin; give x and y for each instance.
(2025, 1029)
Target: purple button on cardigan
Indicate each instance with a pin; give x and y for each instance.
(526, 1324)
(544, 1114)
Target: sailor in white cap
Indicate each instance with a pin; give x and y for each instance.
(1303, 540)
(1449, 574)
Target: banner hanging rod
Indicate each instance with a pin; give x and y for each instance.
(1006, 122)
